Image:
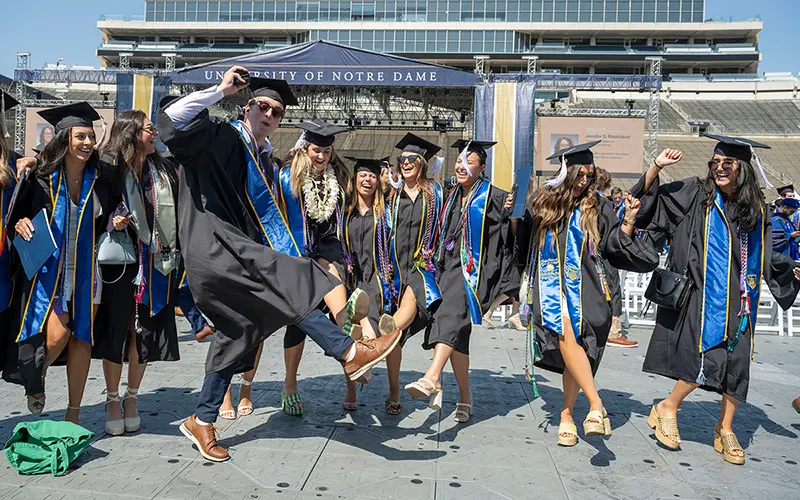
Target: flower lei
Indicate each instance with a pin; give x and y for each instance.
(321, 205)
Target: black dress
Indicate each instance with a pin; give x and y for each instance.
(9, 293)
(246, 289)
(360, 242)
(452, 321)
(674, 347)
(614, 247)
(157, 337)
(32, 196)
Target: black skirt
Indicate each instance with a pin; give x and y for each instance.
(9, 328)
(158, 339)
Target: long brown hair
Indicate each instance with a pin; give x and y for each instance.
(425, 184)
(378, 203)
(52, 156)
(748, 195)
(5, 170)
(551, 206)
(125, 145)
(300, 164)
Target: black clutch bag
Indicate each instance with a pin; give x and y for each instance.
(668, 288)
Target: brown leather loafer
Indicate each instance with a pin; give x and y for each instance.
(205, 438)
(370, 352)
(796, 404)
(621, 342)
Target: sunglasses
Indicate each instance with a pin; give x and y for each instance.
(727, 164)
(410, 159)
(151, 128)
(264, 106)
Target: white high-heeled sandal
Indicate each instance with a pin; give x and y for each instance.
(114, 427)
(36, 405)
(135, 423)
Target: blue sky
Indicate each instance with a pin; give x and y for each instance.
(52, 29)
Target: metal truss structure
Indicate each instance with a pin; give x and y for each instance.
(19, 113)
(596, 113)
(653, 110)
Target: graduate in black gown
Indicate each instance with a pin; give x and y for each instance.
(76, 190)
(721, 236)
(312, 191)
(365, 234)
(136, 320)
(471, 254)
(245, 272)
(567, 235)
(415, 202)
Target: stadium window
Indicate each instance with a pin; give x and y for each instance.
(597, 11)
(258, 11)
(623, 11)
(191, 12)
(224, 11)
(363, 11)
(180, 12)
(560, 9)
(611, 11)
(291, 8)
(236, 11)
(548, 14)
(649, 11)
(698, 11)
(247, 11)
(441, 41)
(585, 11)
(150, 11)
(637, 7)
(662, 14)
(169, 12)
(430, 41)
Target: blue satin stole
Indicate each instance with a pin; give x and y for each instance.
(471, 256)
(432, 292)
(717, 268)
(556, 278)
(46, 282)
(6, 283)
(259, 191)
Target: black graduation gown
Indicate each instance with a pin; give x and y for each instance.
(245, 288)
(158, 339)
(451, 322)
(32, 197)
(673, 351)
(408, 222)
(9, 317)
(361, 240)
(617, 248)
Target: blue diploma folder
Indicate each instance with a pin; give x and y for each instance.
(34, 253)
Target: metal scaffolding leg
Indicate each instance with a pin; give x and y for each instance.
(481, 66)
(653, 110)
(532, 62)
(170, 61)
(125, 60)
(19, 112)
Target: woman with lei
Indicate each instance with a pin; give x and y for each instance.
(567, 234)
(312, 189)
(415, 202)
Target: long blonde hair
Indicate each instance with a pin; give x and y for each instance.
(378, 202)
(425, 184)
(551, 206)
(5, 169)
(301, 164)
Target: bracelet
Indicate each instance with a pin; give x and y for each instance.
(657, 165)
(626, 222)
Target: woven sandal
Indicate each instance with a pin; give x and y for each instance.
(666, 429)
(292, 404)
(725, 444)
(597, 424)
(392, 407)
(132, 424)
(114, 427)
(567, 434)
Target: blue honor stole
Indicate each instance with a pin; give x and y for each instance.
(6, 283)
(380, 258)
(274, 229)
(553, 280)
(423, 253)
(472, 245)
(156, 287)
(716, 277)
(46, 283)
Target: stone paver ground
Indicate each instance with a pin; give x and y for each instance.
(507, 451)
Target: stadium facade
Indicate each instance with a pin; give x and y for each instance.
(567, 36)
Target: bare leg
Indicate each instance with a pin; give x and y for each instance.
(135, 375)
(441, 353)
(669, 407)
(112, 373)
(291, 359)
(407, 310)
(460, 364)
(79, 357)
(571, 389)
(336, 298)
(578, 365)
(245, 390)
(227, 405)
(393, 361)
(725, 423)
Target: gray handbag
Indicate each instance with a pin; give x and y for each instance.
(115, 248)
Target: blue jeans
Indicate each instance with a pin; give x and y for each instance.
(190, 311)
(316, 325)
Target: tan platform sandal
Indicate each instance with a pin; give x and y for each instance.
(666, 429)
(463, 412)
(725, 444)
(113, 427)
(567, 434)
(597, 424)
(424, 388)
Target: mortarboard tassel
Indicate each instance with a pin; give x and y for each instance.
(3, 122)
(436, 164)
(394, 174)
(561, 177)
(301, 142)
(760, 168)
(464, 154)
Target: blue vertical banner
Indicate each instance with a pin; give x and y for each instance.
(142, 92)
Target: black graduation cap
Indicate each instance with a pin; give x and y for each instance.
(735, 147)
(785, 189)
(580, 154)
(367, 164)
(415, 144)
(474, 146)
(274, 89)
(80, 114)
(167, 100)
(320, 132)
(8, 101)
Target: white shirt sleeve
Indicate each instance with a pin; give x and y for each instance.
(185, 109)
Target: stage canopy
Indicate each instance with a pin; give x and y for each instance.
(325, 63)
